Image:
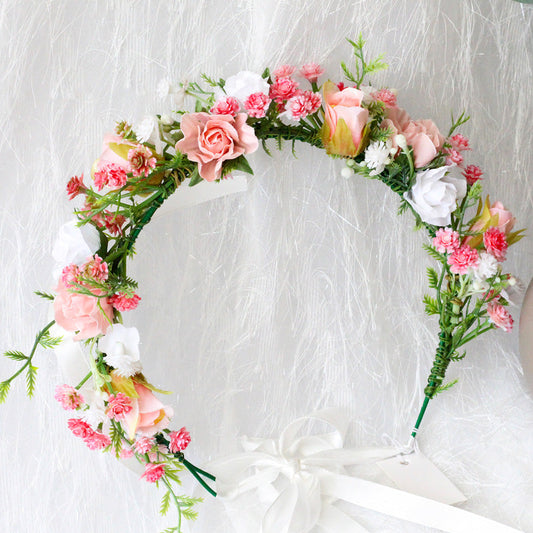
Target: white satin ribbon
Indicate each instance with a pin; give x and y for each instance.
(298, 478)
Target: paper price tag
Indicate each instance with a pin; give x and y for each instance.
(416, 474)
(204, 191)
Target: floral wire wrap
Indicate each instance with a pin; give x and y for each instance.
(140, 167)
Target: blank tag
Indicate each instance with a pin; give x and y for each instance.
(204, 191)
(416, 474)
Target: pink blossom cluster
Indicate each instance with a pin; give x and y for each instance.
(179, 440)
(302, 104)
(499, 316)
(454, 156)
(68, 397)
(463, 259)
(95, 268)
(153, 472)
(75, 186)
(142, 161)
(144, 444)
(95, 440)
(495, 243)
(122, 302)
(118, 406)
(110, 175)
(446, 240)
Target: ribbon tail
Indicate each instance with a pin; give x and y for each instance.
(406, 506)
(334, 520)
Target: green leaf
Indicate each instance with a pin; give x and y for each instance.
(16, 356)
(446, 387)
(432, 306)
(4, 389)
(45, 295)
(47, 341)
(457, 357)
(266, 73)
(433, 253)
(165, 503)
(433, 278)
(31, 375)
(195, 177)
(347, 72)
(189, 513)
(240, 164)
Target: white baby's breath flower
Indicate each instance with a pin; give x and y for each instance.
(96, 414)
(487, 267)
(377, 156)
(144, 129)
(121, 348)
(347, 172)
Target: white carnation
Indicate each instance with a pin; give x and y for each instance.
(377, 156)
(121, 348)
(74, 244)
(487, 267)
(242, 85)
(435, 194)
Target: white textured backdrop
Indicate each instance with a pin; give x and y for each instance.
(302, 293)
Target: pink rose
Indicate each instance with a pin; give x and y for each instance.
(506, 220)
(495, 216)
(344, 130)
(148, 415)
(425, 139)
(115, 150)
(210, 140)
(81, 313)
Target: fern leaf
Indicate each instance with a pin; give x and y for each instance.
(15, 355)
(446, 387)
(45, 295)
(165, 504)
(434, 254)
(47, 341)
(4, 389)
(31, 375)
(432, 306)
(433, 278)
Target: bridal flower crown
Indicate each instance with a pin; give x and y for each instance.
(114, 407)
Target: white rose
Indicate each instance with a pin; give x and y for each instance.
(121, 346)
(435, 194)
(242, 85)
(74, 244)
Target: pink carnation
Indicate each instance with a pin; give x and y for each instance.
(144, 444)
(75, 186)
(70, 274)
(179, 440)
(97, 441)
(257, 104)
(142, 160)
(499, 316)
(311, 72)
(284, 71)
(79, 427)
(122, 302)
(118, 406)
(114, 223)
(228, 105)
(96, 268)
(283, 89)
(386, 96)
(459, 142)
(303, 104)
(453, 157)
(68, 397)
(472, 174)
(462, 259)
(495, 243)
(153, 472)
(126, 453)
(110, 174)
(446, 240)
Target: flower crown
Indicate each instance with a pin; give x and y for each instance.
(114, 405)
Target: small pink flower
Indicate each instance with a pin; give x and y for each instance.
(285, 71)
(75, 186)
(126, 453)
(257, 104)
(313, 101)
(386, 96)
(311, 72)
(96, 268)
(80, 428)
(118, 406)
(97, 441)
(153, 472)
(459, 142)
(144, 444)
(68, 397)
(70, 275)
(446, 240)
(472, 174)
(179, 440)
(341, 86)
(110, 174)
(296, 107)
(228, 105)
(142, 160)
(495, 243)
(283, 89)
(114, 223)
(453, 157)
(462, 259)
(122, 302)
(499, 316)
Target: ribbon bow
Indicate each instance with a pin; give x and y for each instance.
(298, 479)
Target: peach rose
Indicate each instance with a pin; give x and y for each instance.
(426, 140)
(209, 140)
(495, 216)
(344, 130)
(148, 415)
(81, 313)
